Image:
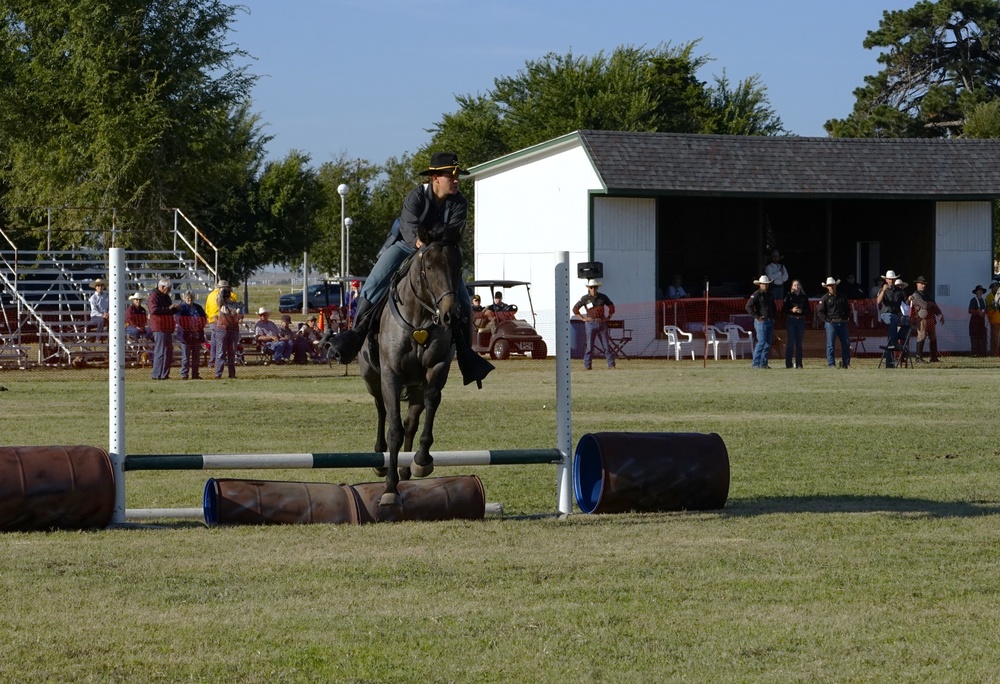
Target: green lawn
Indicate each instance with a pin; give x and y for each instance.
(859, 541)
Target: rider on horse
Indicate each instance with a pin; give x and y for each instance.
(440, 209)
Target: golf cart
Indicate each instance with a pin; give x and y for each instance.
(501, 334)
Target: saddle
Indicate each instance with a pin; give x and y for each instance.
(372, 348)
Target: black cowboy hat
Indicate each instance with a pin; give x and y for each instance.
(444, 162)
(921, 279)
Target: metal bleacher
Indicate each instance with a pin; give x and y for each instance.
(44, 298)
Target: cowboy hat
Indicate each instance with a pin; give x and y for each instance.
(920, 279)
(763, 280)
(98, 281)
(890, 275)
(222, 283)
(594, 283)
(262, 310)
(830, 281)
(136, 296)
(444, 162)
(979, 288)
(900, 282)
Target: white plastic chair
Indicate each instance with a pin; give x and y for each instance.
(738, 337)
(716, 338)
(677, 339)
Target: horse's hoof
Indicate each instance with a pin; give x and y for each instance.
(381, 472)
(388, 499)
(404, 473)
(422, 470)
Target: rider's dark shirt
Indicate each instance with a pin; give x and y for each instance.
(443, 222)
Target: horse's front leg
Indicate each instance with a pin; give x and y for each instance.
(423, 462)
(411, 425)
(380, 443)
(389, 503)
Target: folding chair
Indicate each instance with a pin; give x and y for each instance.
(899, 353)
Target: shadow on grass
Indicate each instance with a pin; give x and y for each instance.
(859, 504)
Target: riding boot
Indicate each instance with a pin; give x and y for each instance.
(473, 366)
(345, 346)
(920, 351)
(934, 353)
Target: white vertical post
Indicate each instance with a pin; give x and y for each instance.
(305, 283)
(116, 378)
(564, 415)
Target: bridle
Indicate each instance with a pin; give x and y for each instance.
(431, 306)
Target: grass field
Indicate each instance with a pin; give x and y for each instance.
(859, 543)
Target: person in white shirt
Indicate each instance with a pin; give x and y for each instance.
(776, 271)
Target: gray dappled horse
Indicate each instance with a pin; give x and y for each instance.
(415, 351)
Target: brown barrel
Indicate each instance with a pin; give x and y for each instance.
(433, 498)
(655, 471)
(55, 487)
(263, 502)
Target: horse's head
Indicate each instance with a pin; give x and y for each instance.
(441, 277)
(325, 341)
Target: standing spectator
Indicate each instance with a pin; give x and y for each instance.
(191, 321)
(351, 302)
(776, 271)
(212, 312)
(599, 309)
(136, 318)
(903, 334)
(876, 287)
(226, 332)
(797, 311)
(161, 322)
(993, 316)
(99, 304)
(676, 289)
(977, 321)
(761, 307)
(889, 302)
(925, 314)
(834, 311)
(269, 336)
(852, 289)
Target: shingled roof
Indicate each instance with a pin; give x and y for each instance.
(670, 163)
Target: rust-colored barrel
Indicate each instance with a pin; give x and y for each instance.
(656, 471)
(433, 498)
(264, 502)
(55, 487)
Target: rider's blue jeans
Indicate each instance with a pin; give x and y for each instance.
(377, 284)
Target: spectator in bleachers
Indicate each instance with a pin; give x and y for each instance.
(797, 311)
(852, 289)
(269, 335)
(676, 289)
(161, 322)
(761, 307)
(599, 309)
(99, 304)
(226, 330)
(136, 320)
(191, 321)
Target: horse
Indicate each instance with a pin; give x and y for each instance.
(415, 351)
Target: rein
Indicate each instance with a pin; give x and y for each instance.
(432, 306)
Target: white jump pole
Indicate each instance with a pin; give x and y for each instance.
(564, 409)
(116, 379)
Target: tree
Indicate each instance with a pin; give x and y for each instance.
(115, 103)
(743, 110)
(941, 60)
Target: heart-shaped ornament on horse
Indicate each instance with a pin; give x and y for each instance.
(420, 336)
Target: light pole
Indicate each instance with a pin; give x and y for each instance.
(348, 223)
(342, 191)
(305, 282)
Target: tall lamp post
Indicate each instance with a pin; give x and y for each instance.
(342, 191)
(348, 223)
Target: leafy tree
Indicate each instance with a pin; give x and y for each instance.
(743, 110)
(940, 60)
(116, 103)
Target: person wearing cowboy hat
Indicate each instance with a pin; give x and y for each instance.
(761, 307)
(889, 302)
(136, 318)
(835, 312)
(977, 321)
(212, 312)
(776, 271)
(924, 313)
(438, 209)
(270, 337)
(993, 316)
(99, 306)
(225, 330)
(599, 309)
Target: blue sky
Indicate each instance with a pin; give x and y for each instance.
(366, 78)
